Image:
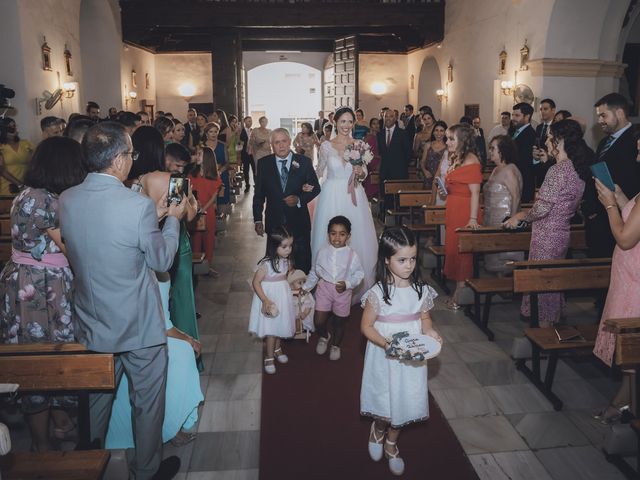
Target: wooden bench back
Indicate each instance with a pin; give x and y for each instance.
(434, 215)
(561, 276)
(5, 224)
(627, 332)
(414, 198)
(51, 367)
(5, 203)
(494, 240)
(392, 187)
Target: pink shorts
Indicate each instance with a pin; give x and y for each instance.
(329, 300)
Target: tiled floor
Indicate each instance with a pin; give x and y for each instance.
(508, 429)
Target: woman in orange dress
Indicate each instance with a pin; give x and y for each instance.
(207, 183)
(463, 180)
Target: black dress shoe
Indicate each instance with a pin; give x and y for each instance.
(198, 315)
(169, 468)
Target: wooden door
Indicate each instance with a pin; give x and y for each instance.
(345, 57)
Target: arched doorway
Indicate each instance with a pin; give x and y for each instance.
(287, 93)
(100, 44)
(429, 81)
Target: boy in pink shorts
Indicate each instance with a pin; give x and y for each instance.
(337, 272)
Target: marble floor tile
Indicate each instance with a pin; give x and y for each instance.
(487, 435)
(502, 372)
(451, 375)
(509, 466)
(584, 463)
(225, 451)
(464, 402)
(208, 343)
(520, 398)
(184, 453)
(595, 431)
(225, 475)
(579, 394)
(234, 387)
(236, 362)
(239, 304)
(479, 351)
(447, 355)
(461, 333)
(238, 342)
(232, 324)
(506, 330)
(228, 416)
(204, 383)
(547, 430)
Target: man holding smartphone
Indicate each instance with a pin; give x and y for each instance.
(114, 245)
(541, 160)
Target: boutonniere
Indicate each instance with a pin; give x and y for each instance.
(295, 164)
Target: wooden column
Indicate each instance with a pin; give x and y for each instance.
(226, 64)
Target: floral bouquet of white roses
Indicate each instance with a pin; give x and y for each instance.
(357, 154)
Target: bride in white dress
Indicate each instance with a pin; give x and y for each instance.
(334, 199)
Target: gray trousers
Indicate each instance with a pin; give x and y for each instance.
(146, 370)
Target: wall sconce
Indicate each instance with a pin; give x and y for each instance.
(187, 91)
(69, 89)
(131, 96)
(507, 87)
(442, 95)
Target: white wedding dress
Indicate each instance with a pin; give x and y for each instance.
(334, 199)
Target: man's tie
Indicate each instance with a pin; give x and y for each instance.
(543, 134)
(388, 137)
(606, 146)
(284, 173)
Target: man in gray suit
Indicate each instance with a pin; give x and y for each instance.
(114, 245)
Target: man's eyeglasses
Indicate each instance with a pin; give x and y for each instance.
(134, 154)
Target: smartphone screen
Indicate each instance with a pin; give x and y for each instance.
(178, 187)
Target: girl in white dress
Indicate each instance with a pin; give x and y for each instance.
(273, 312)
(335, 199)
(394, 392)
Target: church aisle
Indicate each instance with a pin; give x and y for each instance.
(507, 429)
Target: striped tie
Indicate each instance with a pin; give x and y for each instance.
(284, 174)
(606, 146)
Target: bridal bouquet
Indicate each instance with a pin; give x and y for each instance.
(357, 154)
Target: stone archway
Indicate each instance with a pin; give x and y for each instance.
(100, 44)
(429, 80)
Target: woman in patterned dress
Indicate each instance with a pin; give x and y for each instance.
(622, 298)
(556, 202)
(36, 291)
(259, 140)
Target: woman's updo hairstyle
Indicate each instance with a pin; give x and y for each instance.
(341, 111)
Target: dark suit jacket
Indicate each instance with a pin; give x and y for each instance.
(244, 138)
(268, 189)
(524, 145)
(188, 132)
(482, 147)
(318, 126)
(411, 128)
(394, 162)
(541, 169)
(625, 172)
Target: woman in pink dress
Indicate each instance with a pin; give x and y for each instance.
(622, 299)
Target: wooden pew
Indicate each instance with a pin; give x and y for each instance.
(498, 240)
(408, 202)
(5, 224)
(391, 188)
(6, 201)
(555, 276)
(66, 368)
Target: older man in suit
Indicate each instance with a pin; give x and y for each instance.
(280, 182)
(395, 151)
(619, 151)
(114, 245)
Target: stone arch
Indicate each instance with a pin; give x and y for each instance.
(429, 80)
(100, 44)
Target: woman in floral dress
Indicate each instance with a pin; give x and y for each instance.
(36, 284)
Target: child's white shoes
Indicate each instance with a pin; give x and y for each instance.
(334, 353)
(375, 447)
(281, 357)
(321, 347)
(396, 463)
(269, 367)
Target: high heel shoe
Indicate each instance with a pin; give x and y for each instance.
(611, 414)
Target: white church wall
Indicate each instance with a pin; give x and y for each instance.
(390, 70)
(174, 70)
(143, 63)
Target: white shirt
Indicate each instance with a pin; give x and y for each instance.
(331, 266)
(388, 133)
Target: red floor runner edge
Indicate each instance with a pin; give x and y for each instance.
(311, 427)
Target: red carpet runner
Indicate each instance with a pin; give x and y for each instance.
(311, 428)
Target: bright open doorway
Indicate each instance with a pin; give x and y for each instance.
(287, 93)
